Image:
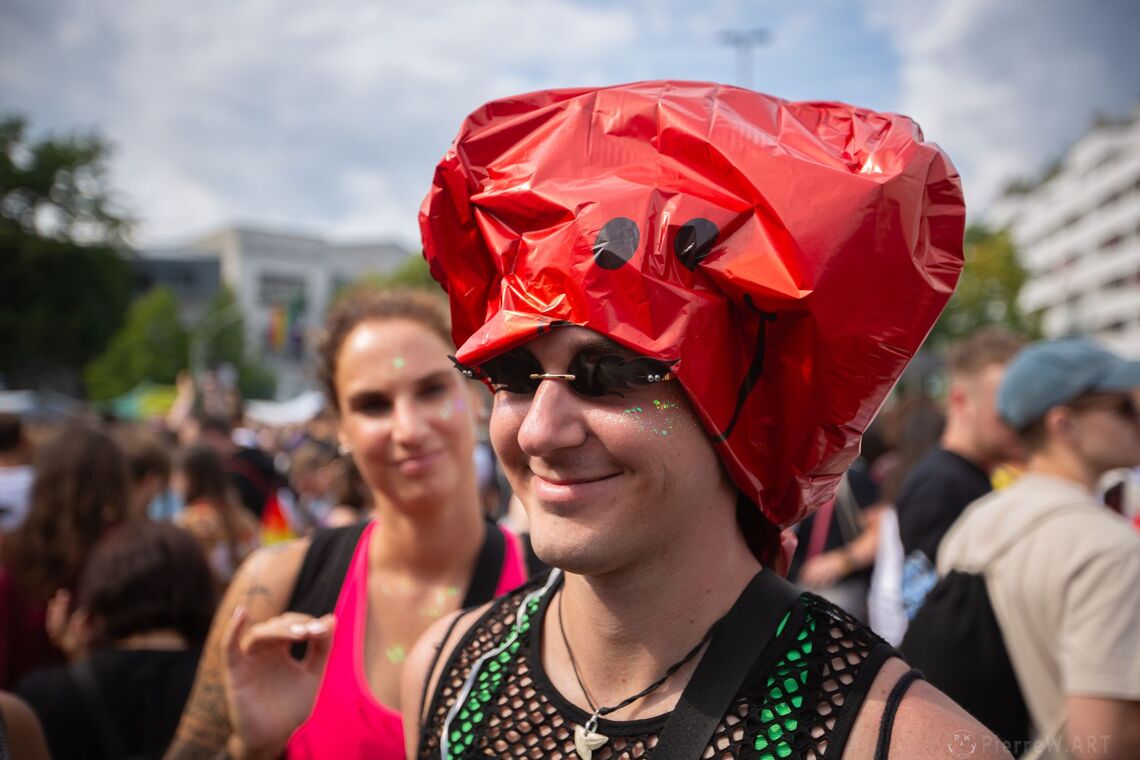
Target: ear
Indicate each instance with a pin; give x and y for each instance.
(1059, 421)
(957, 396)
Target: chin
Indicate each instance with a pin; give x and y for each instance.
(572, 547)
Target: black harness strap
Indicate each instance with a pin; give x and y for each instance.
(737, 643)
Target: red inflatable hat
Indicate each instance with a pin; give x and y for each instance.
(786, 259)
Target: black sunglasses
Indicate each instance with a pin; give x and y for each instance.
(591, 373)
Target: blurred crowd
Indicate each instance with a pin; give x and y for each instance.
(119, 539)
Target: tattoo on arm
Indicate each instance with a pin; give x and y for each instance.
(205, 725)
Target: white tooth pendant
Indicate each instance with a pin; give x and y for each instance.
(587, 739)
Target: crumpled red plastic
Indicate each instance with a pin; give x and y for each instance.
(787, 259)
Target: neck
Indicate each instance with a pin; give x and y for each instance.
(429, 540)
(627, 628)
(957, 442)
(1064, 464)
(163, 639)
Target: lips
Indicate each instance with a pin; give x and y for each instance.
(418, 463)
(565, 489)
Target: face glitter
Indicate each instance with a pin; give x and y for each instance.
(652, 424)
(399, 362)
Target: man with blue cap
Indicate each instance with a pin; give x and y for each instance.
(1061, 569)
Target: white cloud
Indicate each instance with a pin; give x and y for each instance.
(1004, 87)
(275, 110)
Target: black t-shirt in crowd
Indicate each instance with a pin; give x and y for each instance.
(143, 691)
(934, 494)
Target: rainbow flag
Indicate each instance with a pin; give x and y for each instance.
(276, 525)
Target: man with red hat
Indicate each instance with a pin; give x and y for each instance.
(689, 302)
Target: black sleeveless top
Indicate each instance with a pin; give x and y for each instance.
(799, 700)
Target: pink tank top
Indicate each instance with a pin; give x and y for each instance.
(347, 720)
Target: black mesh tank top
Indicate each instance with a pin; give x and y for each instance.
(799, 700)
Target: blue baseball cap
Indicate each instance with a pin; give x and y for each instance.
(1051, 373)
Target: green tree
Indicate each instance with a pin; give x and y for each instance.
(151, 346)
(987, 291)
(219, 338)
(64, 278)
(412, 272)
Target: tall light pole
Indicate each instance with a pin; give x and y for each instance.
(744, 40)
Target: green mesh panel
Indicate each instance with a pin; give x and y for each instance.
(783, 695)
(487, 684)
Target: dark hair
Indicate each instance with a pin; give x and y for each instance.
(144, 576)
(146, 454)
(213, 423)
(366, 304)
(985, 348)
(82, 487)
(207, 480)
(762, 537)
(11, 432)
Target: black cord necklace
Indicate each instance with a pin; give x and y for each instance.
(586, 738)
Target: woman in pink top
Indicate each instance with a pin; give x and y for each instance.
(409, 423)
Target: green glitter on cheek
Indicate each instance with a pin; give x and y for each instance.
(398, 362)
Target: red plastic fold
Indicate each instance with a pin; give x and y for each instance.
(787, 258)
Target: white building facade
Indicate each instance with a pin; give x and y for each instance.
(1078, 233)
(283, 285)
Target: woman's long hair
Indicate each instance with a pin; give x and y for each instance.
(82, 487)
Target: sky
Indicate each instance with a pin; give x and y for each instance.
(327, 118)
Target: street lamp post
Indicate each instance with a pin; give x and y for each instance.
(744, 40)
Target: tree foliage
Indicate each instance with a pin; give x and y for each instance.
(412, 272)
(151, 346)
(987, 291)
(64, 280)
(219, 338)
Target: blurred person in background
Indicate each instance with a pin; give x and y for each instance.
(313, 472)
(16, 472)
(957, 472)
(1059, 569)
(408, 421)
(250, 469)
(82, 488)
(223, 527)
(911, 428)
(149, 463)
(836, 546)
(145, 601)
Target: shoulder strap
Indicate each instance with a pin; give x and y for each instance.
(887, 722)
(488, 567)
(324, 568)
(736, 645)
(109, 736)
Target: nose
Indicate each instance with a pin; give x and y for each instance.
(553, 420)
(409, 422)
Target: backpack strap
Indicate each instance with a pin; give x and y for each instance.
(109, 737)
(324, 568)
(736, 645)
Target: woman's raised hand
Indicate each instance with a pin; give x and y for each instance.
(270, 693)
